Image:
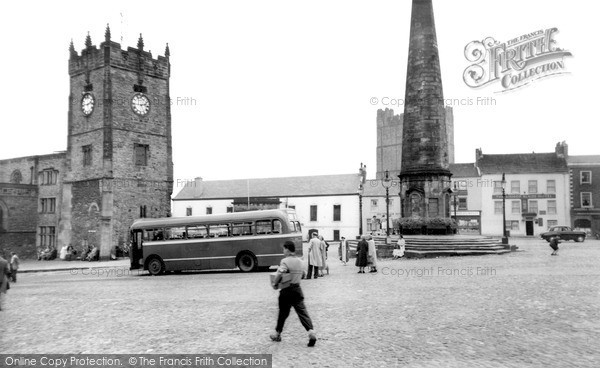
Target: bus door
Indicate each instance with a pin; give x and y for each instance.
(136, 253)
(195, 253)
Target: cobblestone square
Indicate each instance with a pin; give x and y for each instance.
(524, 309)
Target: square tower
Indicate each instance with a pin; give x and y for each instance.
(119, 155)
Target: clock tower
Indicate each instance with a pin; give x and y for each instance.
(119, 155)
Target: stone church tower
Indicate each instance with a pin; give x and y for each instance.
(119, 155)
(425, 175)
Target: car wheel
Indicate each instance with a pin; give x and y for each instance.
(156, 266)
(247, 262)
(580, 239)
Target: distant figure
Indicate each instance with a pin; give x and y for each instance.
(372, 259)
(315, 259)
(362, 251)
(399, 248)
(14, 266)
(4, 275)
(343, 251)
(292, 296)
(63, 253)
(48, 254)
(324, 249)
(84, 253)
(554, 245)
(93, 254)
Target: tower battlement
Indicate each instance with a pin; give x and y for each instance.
(109, 52)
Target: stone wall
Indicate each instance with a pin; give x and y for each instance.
(18, 206)
(86, 207)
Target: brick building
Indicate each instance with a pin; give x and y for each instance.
(118, 163)
(584, 177)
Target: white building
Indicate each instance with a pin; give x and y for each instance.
(537, 192)
(328, 204)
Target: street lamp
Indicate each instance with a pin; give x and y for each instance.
(360, 219)
(456, 204)
(387, 183)
(504, 236)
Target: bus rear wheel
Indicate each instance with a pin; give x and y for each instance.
(155, 266)
(247, 262)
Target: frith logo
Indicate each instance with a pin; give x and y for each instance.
(514, 63)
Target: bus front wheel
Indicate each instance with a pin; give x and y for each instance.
(155, 266)
(247, 262)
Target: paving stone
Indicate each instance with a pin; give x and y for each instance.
(533, 310)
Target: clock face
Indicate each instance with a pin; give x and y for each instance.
(87, 104)
(140, 104)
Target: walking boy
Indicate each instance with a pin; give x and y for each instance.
(292, 296)
(14, 266)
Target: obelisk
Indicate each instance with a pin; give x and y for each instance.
(424, 176)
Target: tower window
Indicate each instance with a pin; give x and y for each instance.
(48, 176)
(141, 154)
(143, 211)
(47, 236)
(140, 89)
(88, 88)
(47, 205)
(87, 155)
(16, 177)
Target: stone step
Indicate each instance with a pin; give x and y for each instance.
(439, 246)
(445, 253)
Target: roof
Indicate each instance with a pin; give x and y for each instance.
(522, 163)
(299, 186)
(464, 170)
(145, 223)
(587, 159)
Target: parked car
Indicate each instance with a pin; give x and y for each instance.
(565, 233)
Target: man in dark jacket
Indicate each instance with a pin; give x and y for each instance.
(291, 294)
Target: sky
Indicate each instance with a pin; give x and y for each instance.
(282, 88)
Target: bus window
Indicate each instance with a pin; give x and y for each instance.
(175, 233)
(241, 228)
(263, 227)
(153, 234)
(218, 230)
(197, 232)
(276, 227)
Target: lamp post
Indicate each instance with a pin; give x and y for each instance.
(504, 237)
(387, 183)
(360, 217)
(455, 204)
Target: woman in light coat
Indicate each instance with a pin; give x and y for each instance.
(324, 247)
(372, 254)
(315, 258)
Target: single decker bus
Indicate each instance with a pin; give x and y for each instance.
(247, 240)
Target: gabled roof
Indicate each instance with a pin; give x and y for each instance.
(522, 163)
(464, 170)
(300, 186)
